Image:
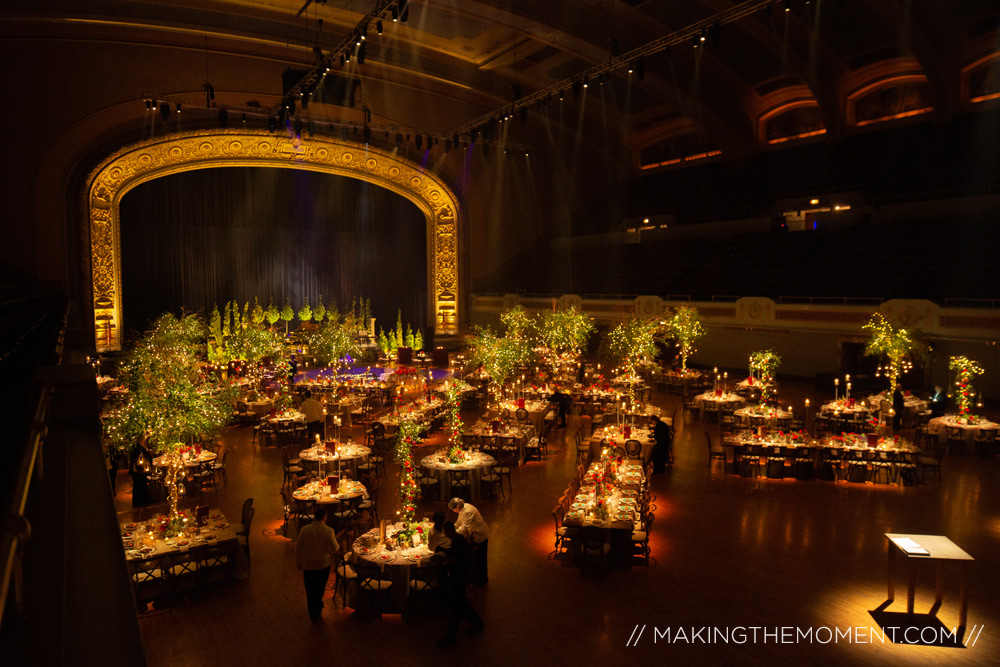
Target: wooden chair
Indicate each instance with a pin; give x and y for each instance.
(715, 453)
(640, 538)
(594, 545)
(564, 533)
(371, 584)
(633, 449)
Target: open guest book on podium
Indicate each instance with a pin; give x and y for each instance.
(911, 548)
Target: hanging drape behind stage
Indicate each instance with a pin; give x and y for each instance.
(203, 237)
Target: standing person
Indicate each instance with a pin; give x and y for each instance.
(562, 402)
(898, 405)
(470, 524)
(939, 401)
(316, 544)
(459, 555)
(313, 411)
(664, 450)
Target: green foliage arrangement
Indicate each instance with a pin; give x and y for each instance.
(685, 327)
(565, 330)
(895, 346)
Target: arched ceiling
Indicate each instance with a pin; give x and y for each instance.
(454, 61)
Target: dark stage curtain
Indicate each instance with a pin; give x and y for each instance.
(202, 237)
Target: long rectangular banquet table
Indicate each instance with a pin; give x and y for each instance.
(610, 498)
(856, 452)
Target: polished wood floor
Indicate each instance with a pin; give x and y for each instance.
(728, 553)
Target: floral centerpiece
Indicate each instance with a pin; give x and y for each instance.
(965, 370)
(763, 365)
(171, 525)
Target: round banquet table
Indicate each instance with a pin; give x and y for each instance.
(346, 455)
(190, 459)
(970, 432)
(394, 564)
(616, 435)
(319, 492)
(477, 463)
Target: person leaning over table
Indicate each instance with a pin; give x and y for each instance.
(459, 557)
(471, 525)
(313, 412)
(313, 550)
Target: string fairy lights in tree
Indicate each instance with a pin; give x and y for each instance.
(896, 345)
(763, 365)
(170, 399)
(630, 344)
(565, 330)
(685, 327)
(965, 370)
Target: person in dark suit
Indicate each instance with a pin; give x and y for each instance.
(562, 402)
(939, 401)
(663, 452)
(898, 405)
(459, 556)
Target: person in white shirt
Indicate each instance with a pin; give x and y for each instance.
(316, 544)
(313, 411)
(471, 525)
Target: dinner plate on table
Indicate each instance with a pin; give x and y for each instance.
(146, 550)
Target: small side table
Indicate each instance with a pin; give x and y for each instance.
(940, 549)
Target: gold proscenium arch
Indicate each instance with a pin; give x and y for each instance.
(184, 151)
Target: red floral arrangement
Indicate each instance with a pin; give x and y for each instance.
(405, 370)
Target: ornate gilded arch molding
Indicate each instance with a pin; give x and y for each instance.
(202, 149)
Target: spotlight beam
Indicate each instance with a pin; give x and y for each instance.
(684, 35)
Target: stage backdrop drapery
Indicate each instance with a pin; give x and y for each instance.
(201, 237)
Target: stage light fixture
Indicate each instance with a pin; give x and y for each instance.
(357, 40)
(297, 127)
(447, 146)
(347, 56)
(154, 105)
(164, 111)
(367, 134)
(404, 10)
(788, 5)
(364, 34)
(178, 107)
(149, 105)
(243, 119)
(395, 15)
(362, 50)
(311, 128)
(418, 140)
(341, 59)
(378, 26)
(577, 90)
(586, 82)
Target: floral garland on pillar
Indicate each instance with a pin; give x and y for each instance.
(966, 369)
(453, 420)
(407, 436)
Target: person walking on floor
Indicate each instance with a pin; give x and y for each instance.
(313, 550)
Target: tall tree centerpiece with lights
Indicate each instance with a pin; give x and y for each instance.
(965, 371)
(894, 346)
(333, 340)
(631, 343)
(565, 331)
(763, 365)
(407, 437)
(685, 327)
(170, 399)
(501, 355)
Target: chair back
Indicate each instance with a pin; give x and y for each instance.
(245, 512)
(592, 538)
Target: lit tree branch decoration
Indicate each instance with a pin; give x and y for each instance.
(633, 341)
(170, 399)
(685, 327)
(407, 437)
(333, 341)
(896, 345)
(763, 365)
(565, 330)
(965, 370)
